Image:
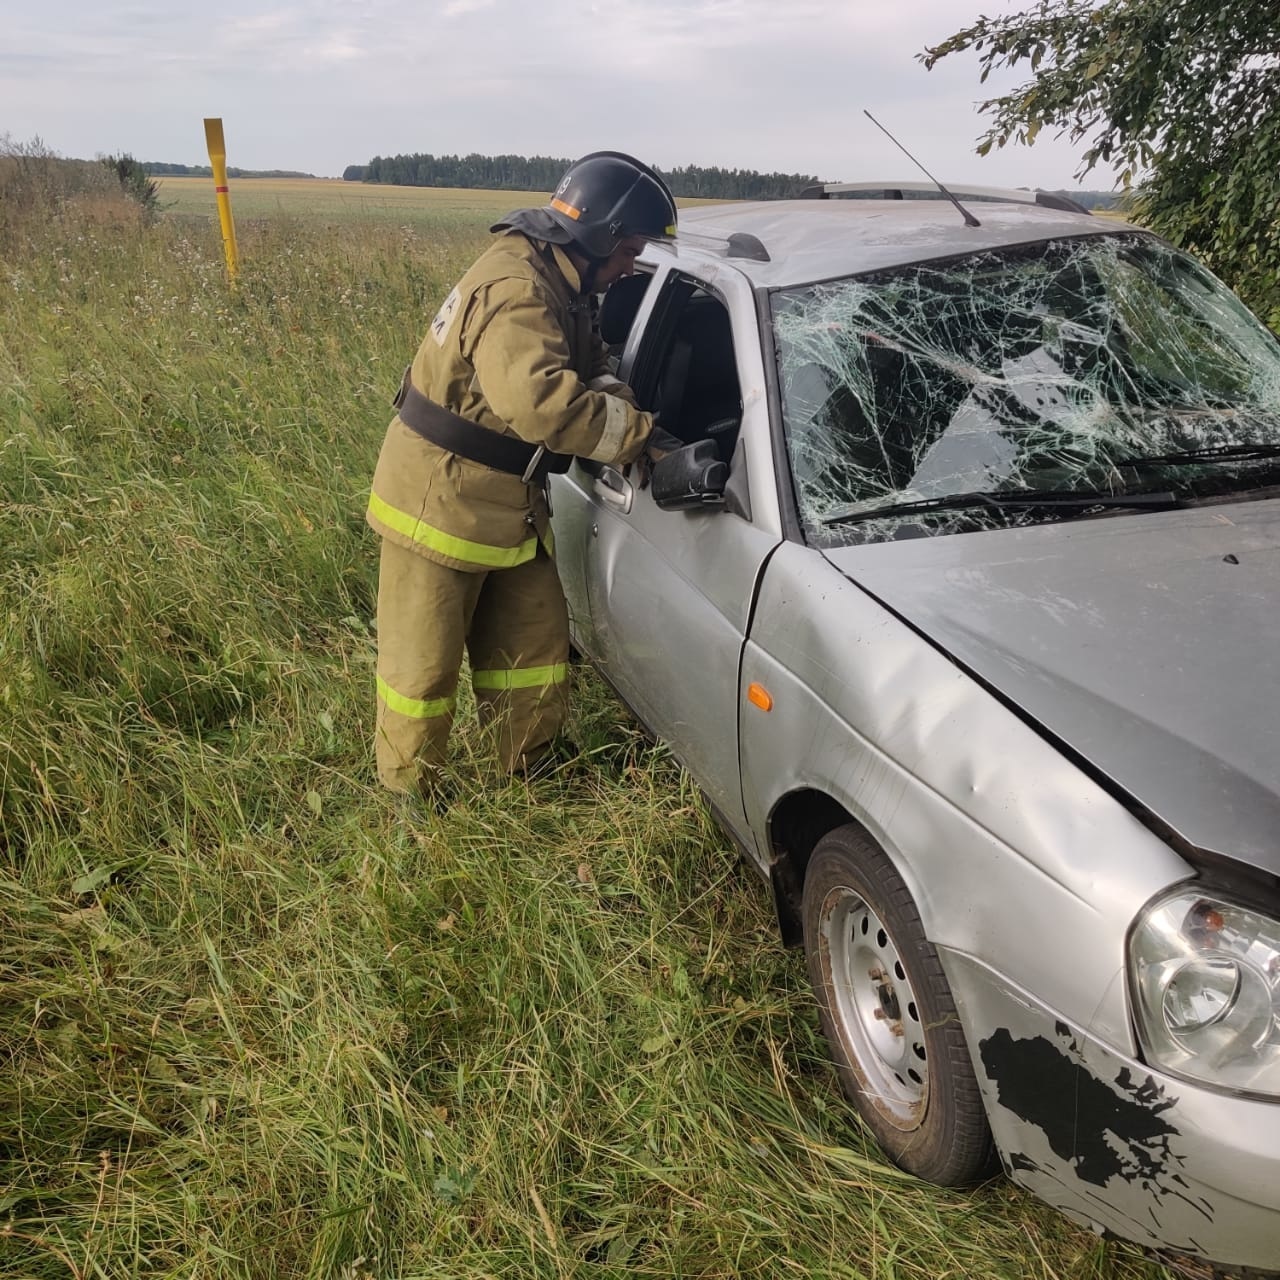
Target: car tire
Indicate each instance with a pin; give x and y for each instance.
(888, 1015)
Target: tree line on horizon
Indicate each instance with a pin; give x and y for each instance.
(542, 173)
(163, 169)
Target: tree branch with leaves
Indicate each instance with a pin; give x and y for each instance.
(1181, 97)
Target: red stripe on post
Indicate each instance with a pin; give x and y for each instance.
(222, 190)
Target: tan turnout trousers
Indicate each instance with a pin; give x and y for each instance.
(514, 626)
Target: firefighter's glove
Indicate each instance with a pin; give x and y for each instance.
(659, 444)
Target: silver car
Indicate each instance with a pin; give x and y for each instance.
(962, 606)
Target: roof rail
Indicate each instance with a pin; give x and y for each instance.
(927, 190)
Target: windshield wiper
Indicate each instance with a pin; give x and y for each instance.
(1196, 457)
(1049, 500)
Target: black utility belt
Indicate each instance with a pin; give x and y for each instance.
(454, 433)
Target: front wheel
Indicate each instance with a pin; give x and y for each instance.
(888, 1014)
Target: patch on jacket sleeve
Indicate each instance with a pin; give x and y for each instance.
(445, 317)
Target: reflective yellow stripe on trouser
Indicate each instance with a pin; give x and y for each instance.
(521, 678)
(414, 708)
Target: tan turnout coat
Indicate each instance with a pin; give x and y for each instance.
(513, 349)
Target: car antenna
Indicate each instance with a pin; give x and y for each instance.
(969, 219)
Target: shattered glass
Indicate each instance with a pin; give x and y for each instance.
(1053, 368)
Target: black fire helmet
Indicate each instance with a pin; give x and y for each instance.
(602, 198)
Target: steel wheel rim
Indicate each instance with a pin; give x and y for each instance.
(875, 1007)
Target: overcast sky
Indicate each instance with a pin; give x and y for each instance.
(316, 86)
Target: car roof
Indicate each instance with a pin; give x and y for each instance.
(811, 240)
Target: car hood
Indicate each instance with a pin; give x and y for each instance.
(1149, 644)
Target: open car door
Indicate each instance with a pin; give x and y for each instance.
(670, 592)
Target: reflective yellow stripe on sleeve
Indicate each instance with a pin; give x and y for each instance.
(414, 708)
(521, 678)
(449, 544)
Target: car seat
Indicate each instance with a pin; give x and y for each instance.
(618, 310)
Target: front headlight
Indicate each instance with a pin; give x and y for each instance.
(1205, 977)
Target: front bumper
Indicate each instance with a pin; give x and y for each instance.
(1160, 1161)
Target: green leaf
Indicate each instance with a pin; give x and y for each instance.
(104, 874)
(93, 880)
(656, 1044)
(314, 803)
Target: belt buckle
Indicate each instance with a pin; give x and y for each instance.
(531, 470)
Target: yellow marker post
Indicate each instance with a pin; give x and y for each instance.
(218, 159)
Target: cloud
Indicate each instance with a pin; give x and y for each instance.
(457, 8)
(337, 47)
(260, 24)
(749, 83)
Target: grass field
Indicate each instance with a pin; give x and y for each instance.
(254, 1021)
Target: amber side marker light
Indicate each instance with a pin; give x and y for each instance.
(1205, 924)
(760, 697)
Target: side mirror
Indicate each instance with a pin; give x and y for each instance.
(690, 477)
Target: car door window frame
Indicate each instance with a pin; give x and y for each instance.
(758, 471)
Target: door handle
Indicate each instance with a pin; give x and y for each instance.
(614, 488)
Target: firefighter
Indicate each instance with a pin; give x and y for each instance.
(509, 384)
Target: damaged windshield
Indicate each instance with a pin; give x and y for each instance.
(1107, 367)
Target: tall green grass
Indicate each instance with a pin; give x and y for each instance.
(254, 1020)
